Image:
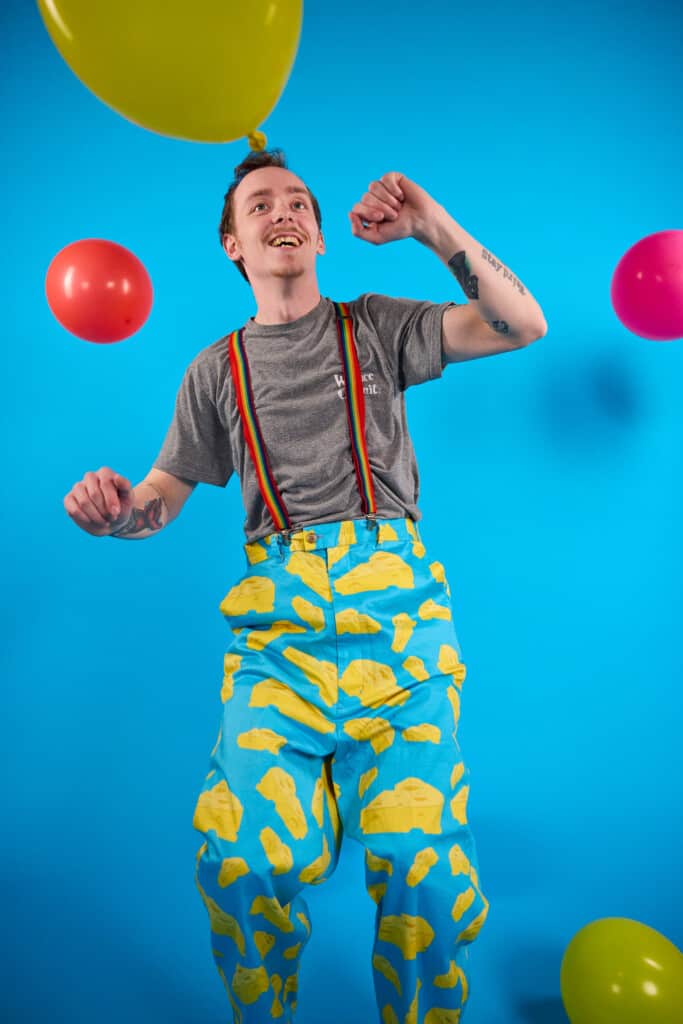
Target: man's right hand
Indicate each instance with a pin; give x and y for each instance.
(101, 502)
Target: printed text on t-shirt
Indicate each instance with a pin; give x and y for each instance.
(368, 389)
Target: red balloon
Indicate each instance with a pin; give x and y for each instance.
(99, 290)
(647, 287)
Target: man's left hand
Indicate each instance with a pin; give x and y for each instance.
(394, 207)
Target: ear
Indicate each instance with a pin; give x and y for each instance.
(320, 249)
(232, 248)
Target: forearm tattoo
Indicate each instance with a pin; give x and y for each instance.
(490, 258)
(147, 518)
(468, 282)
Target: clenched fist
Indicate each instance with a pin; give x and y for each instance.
(101, 502)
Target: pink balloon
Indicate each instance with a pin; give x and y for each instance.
(647, 287)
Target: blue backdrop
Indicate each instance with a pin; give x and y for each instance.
(551, 487)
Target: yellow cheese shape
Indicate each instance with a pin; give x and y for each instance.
(264, 942)
(277, 852)
(289, 703)
(412, 934)
(431, 610)
(366, 780)
(309, 612)
(372, 682)
(321, 674)
(459, 805)
(377, 730)
(257, 639)
(352, 621)
(439, 573)
(253, 594)
(463, 903)
(422, 864)
(448, 660)
(439, 1015)
(219, 809)
(311, 874)
(279, 786)
(460, 864)
(416, 667)
(377, 890)
(412, 803)
(382, 570)
(474, 927)
(424, 733)
(273, 911)
(378, 863)
(261, 739)
(381, 964)
(403, 630)
(312, 571)
(231, 869)
(249, 983)
(255, 552)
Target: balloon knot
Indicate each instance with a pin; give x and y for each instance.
(257, 141)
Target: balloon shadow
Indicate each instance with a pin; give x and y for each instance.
(532, 968)
(541, 1011)
(585, 404)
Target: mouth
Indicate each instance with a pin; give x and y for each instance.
(288, 242)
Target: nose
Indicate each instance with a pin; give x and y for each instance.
(280, 212)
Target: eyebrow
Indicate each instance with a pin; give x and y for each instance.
(269, 192)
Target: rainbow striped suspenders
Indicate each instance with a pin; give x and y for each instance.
(355, 415)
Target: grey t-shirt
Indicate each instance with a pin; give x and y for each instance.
(298, 386)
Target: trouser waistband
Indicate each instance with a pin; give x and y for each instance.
(368, 530)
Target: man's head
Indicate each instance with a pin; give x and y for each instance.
(250, 222)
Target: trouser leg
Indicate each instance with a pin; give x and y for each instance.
(404, 785)
(270, 823)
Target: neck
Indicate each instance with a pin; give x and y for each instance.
(281, 300)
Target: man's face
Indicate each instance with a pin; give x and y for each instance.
(283, 208)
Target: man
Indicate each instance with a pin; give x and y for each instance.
(343, 675)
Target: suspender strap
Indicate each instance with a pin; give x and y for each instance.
(355, 407)
(252, 432)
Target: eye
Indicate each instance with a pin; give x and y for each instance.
(302, 202)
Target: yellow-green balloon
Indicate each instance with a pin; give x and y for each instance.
(619, 971)
(205, 70)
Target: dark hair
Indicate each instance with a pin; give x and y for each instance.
(274, 158)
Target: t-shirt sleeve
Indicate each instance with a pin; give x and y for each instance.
(413, 329)
(196, 446)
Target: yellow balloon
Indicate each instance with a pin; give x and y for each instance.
(204, 70)
(619, 971)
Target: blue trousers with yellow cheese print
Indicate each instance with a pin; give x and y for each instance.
(341, 698)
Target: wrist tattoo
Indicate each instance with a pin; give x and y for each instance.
(461, 269)
(147, 518)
